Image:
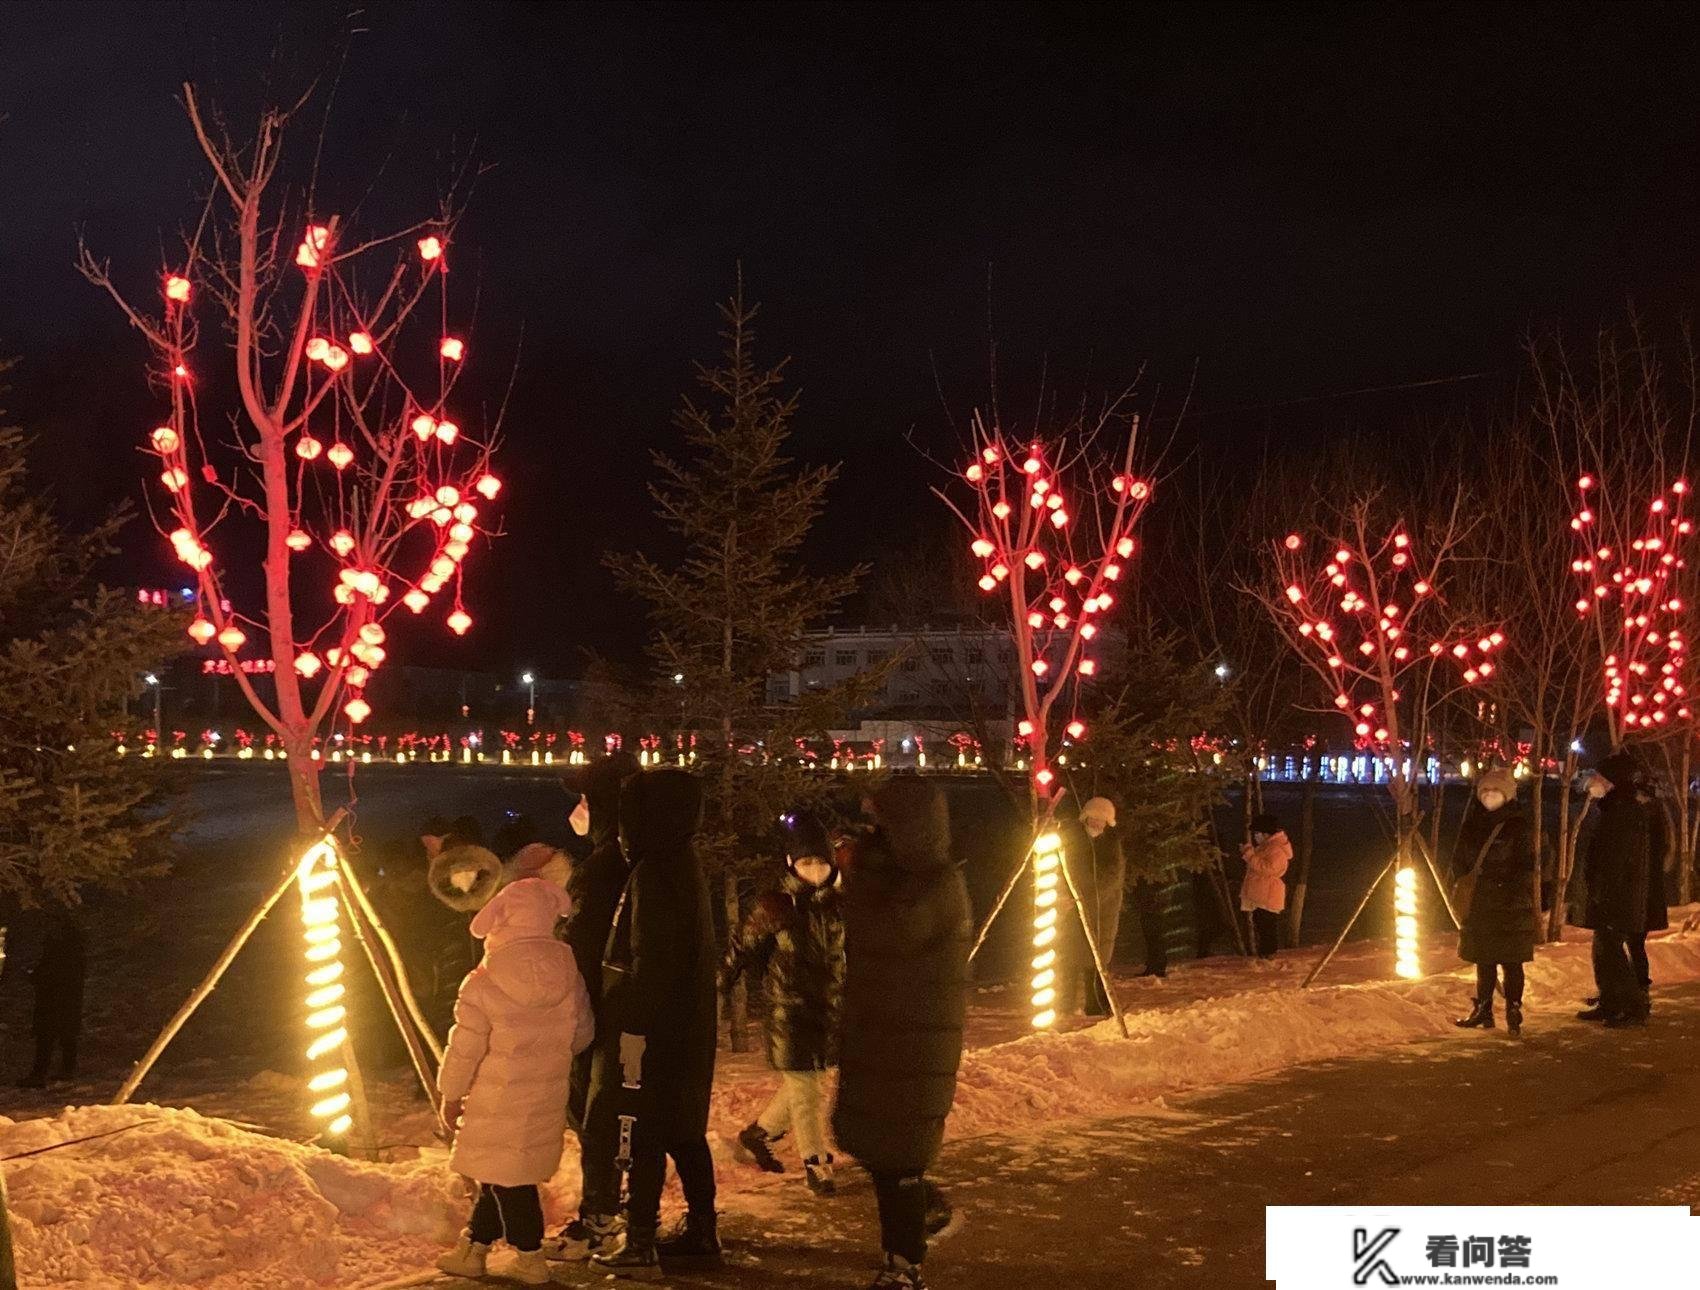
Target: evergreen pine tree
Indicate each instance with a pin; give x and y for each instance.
(732, 609)
(1141, 754)
(73, 813)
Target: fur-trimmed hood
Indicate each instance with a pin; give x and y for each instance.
(465, 877)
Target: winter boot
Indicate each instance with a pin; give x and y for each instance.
(756, 1148)
(632, 1258)
(943, 1220)
(1596, 1013)
(586, 1235)
(1514, 1017)
(465, 1260)
(1634, 1017)
(898, 1274)
(1481, 1015)
(692, 1246)
(818, 1174)
(530, 1269)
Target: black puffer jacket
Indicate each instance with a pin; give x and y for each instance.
(597, 879)
(1501, 923)
(659, 970)
(795, 938)
(907, 927)
(1616, 866)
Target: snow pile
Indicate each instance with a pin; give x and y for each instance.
(180, 1200)
(1253, 1031)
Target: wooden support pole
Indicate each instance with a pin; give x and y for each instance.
(199, 995)
(387, 987)
(351, 883)
(1092, 944)
(1340, 940)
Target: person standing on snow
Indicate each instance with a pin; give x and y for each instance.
(520, 1017)
(1263, 894)
(907, 929)
(595, 886)
(794, 938)
(1099, 869)
(59, 975)
(1497, 851)
(659, 1010)
(1617, 871)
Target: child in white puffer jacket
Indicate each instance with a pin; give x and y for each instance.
(521, 1016)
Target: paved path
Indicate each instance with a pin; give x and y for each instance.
(1568, 1114)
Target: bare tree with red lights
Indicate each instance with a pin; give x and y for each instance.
(345, 450)
(1052, 522)
(1361, 600)
(1623, 429)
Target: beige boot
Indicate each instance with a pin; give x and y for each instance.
(466, 1259)
(530, 1269)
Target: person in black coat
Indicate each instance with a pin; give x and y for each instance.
(1617, 872)
(59, 976)
(595, 885)
(658, 1023)
(1658, 916)
(794, 941)
(1497, 845)
(1093, 852)
(907, 928)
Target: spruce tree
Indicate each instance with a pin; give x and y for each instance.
(731, 606)
(73, 813)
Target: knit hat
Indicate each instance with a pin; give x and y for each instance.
(1099, 809)
(1500, 779)
(523, 910)
(1622, 769)
(807, 836)
(538, 860)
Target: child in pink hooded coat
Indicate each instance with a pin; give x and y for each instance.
(521, 1016)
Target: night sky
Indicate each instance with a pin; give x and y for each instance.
(1267, 204)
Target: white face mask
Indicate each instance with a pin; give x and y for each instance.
(1094, 827)
(1491, 798)
(812, 870)
(1259, 838)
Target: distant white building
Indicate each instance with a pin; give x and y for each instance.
(950, 674)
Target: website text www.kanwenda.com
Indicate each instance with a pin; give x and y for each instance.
(1478, 1279)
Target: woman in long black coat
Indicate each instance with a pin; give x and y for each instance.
(595, 886)
(1498, 845)
(658, 1023)
(907, 927)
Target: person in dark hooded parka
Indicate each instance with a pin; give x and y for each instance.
(1617, 870)
(659, 1020)
(907, 928)
(1496, 846)
(595, 887)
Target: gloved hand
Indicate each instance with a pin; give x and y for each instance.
(631, 1060)
(452, 1107)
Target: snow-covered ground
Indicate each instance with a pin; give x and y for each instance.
(176, 1198)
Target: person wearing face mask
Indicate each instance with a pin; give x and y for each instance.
(794, 940)
(1617, 870)
(1263, 894)
(1495, 861)
(1098, 866)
